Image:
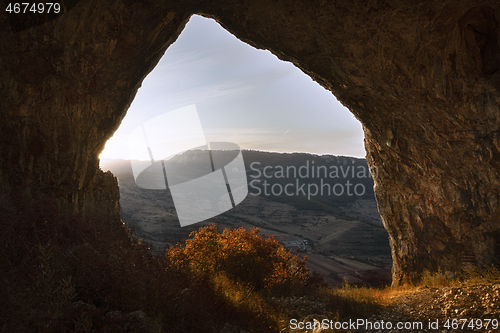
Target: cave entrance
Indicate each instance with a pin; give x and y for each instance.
(249, 97)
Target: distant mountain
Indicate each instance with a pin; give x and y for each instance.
(321, 179)
(326, 201)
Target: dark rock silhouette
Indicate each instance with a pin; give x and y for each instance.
(422, 77)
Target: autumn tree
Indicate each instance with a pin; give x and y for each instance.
(243, 256)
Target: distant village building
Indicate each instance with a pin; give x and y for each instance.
(291, 243)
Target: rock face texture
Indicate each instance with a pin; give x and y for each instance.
(65, 87)
(422, 77)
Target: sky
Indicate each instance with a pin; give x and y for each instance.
(241, 95)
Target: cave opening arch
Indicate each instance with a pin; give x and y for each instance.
(421, 77)
(261, 94)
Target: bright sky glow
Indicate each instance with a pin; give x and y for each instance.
(243, 95)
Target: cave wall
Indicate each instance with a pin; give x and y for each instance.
(421, 77)
(65, 87)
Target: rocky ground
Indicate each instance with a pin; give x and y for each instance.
(447, 309)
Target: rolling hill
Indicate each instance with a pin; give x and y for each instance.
(324, 202)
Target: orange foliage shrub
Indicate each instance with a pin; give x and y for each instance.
(244, 256)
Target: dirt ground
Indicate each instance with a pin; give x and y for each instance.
(467, 308)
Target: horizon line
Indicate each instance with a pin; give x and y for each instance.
(256, 150)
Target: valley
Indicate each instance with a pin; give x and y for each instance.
(341, 236)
